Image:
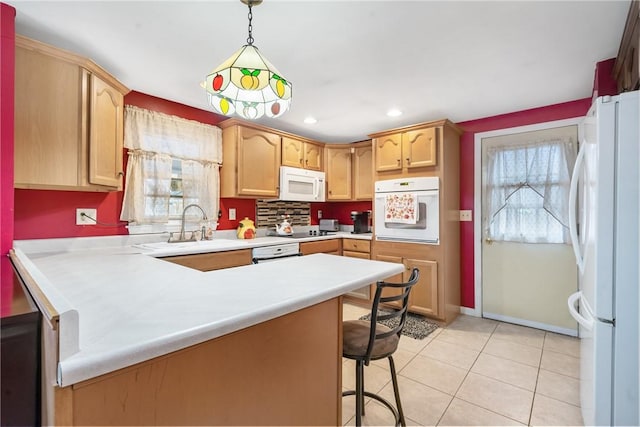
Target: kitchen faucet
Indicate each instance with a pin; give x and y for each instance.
(182, 237)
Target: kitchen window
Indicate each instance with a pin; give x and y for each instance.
(172, 162)
(528, 191)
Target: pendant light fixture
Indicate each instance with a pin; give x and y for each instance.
(247, 84)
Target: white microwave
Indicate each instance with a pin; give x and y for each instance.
(301, 185)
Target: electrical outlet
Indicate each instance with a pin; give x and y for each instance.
(465, 215)
(232, 214)
(84, 220)
(319, 214)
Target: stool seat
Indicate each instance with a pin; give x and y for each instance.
(355, 340)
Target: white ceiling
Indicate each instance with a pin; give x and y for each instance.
(349, 61)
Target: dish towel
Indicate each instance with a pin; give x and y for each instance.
(401, 208)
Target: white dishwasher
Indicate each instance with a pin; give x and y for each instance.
(275, 252)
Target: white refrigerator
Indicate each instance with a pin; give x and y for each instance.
(605, 234)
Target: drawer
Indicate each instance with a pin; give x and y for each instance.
(320, 246)
(356, 254)
(356, 245)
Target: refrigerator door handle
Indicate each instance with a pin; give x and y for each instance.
(573, 206)
(571, 302)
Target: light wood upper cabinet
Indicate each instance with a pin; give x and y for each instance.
(349, 171)
(406, 150)
(301, 154)
(251, 161)
(419, 148)
(339, 173)
(363, 173)
(313, 156)
(389, 152)
(106, 127)
(68, 121)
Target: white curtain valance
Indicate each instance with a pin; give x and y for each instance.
(155, 141)
(155, 132)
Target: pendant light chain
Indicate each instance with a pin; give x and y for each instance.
(250, 38)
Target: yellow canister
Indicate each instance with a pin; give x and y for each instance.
(246, 229)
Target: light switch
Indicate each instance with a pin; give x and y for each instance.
(319, 214)
(465, 215)
(232, 214)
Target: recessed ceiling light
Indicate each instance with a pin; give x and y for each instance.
(394, 112)
(310, 120)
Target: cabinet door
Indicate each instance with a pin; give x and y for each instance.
(258, 163)
(105, 134)
(423, 298)
(363, 173)
(398, 278)
(313, 156)
(389, 153)
(214, 260)
(48, 120)
(419, 148)
(321, 246)
(292, 152)
(339, 173)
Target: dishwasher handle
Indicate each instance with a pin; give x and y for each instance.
(256, 260)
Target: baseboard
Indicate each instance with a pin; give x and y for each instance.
(531, 324)
(470, 311)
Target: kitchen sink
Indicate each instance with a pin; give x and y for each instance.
(196, 244)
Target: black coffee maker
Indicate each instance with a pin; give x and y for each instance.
(361, 223)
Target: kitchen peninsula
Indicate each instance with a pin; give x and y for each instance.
(132, 339)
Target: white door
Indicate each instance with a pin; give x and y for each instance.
(528, 269)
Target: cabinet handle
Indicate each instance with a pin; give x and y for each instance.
(399, 162)
(120, 173)
(408, 161)
(306, 162)
(300, 161)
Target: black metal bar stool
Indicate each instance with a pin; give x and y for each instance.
(363, 343)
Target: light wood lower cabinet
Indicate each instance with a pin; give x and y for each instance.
(213, 260)
(285, 371)
(436, 295)
(357, 248)
(332, 247)
(69, 116)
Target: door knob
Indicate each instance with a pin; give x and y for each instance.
(488, 240)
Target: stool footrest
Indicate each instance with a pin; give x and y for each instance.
(380, 399)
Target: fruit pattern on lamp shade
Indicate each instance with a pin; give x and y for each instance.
(274, 102)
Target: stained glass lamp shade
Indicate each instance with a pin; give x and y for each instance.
(248, 85)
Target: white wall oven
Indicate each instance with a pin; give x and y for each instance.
(407, 210)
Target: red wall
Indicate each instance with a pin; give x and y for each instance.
(47, 213)
(7, 67)
(247, 208)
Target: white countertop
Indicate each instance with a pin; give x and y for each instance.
(127, 306)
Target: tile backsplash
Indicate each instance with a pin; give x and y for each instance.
(269, 213)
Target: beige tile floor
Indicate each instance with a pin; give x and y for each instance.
(474, 372)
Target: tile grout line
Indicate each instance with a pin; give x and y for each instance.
(465, 377)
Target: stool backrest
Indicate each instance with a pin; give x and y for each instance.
(400, 313)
